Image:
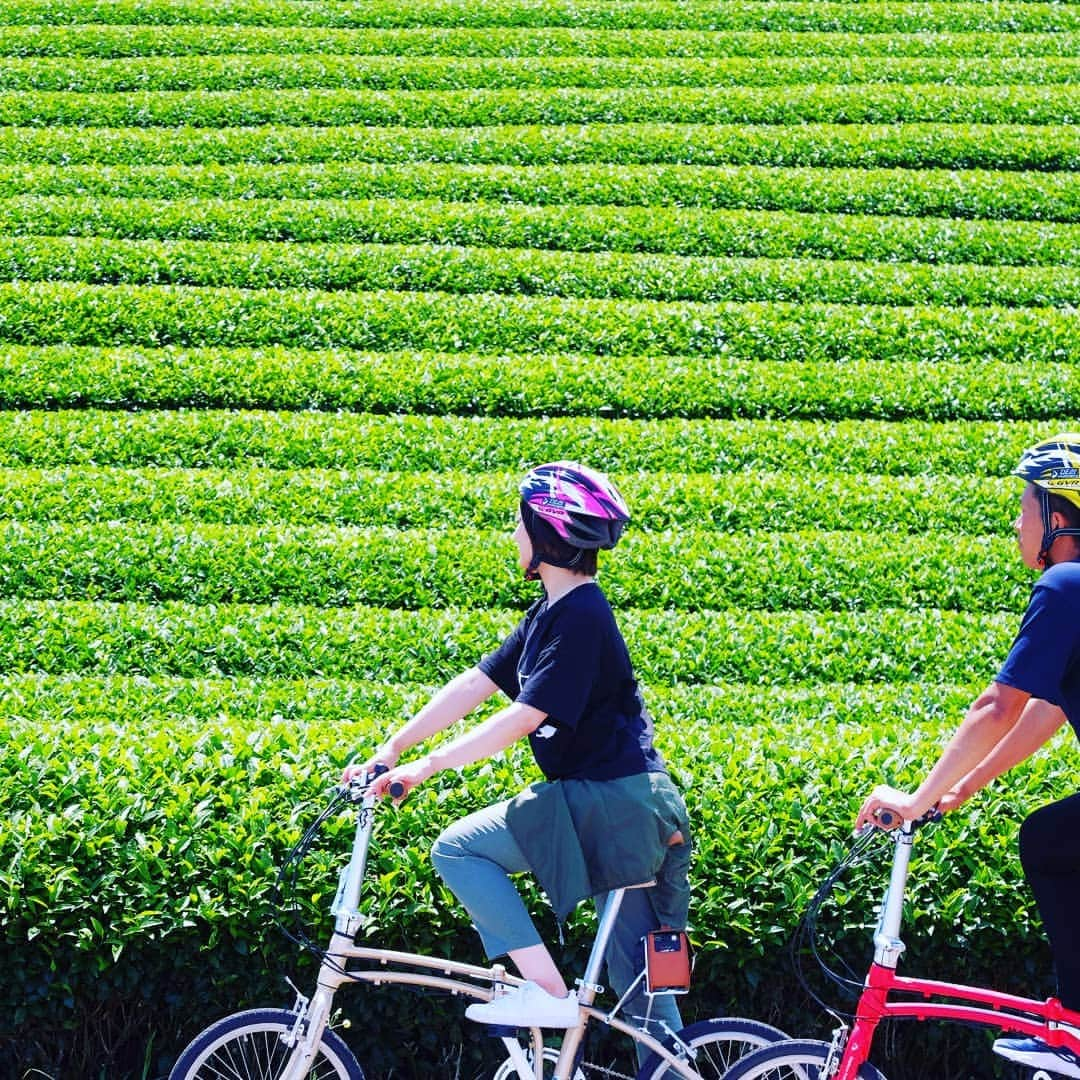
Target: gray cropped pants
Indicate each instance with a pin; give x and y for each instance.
(476, 856)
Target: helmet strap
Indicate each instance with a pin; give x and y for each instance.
(532, 572)
(1050, 534)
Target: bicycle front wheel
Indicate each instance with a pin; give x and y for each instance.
(251, 1045)
(715, 1045)
(793, 1059)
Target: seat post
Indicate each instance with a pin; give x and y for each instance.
(610, 913)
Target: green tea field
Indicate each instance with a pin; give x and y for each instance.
(292, 292)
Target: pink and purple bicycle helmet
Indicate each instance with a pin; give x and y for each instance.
(579, 506)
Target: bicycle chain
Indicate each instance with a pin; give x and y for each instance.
(589, 1067)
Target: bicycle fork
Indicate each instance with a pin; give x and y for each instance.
(312, 1015)
(851, 1046)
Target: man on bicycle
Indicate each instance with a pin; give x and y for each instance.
(1034, 693)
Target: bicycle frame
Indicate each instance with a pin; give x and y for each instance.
(463, 979)
(967, 1004)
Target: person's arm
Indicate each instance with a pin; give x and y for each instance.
(447, 706)
(1037, 724)
(483, 741)
(992, 716)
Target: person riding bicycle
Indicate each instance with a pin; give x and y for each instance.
(1036, 690)
(608, 815)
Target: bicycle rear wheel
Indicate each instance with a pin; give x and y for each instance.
(793, 1059)
(251, 1045)
(716, 1044)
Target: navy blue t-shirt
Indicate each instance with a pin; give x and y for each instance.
(1044, 660)
(569, 661)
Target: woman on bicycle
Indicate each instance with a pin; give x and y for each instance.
(608, 815)
(1034, 693)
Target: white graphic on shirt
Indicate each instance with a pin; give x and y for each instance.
(548, 731)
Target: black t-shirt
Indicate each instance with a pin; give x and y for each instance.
(569, 661)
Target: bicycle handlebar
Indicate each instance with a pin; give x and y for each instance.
(887, 820)
(357, 785)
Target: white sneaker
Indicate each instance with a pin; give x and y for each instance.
(527, 1005)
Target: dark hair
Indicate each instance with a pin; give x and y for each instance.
(553, 549)
(1067, 509)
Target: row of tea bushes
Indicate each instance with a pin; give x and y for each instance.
(775, 16)
(867, 103)
(607, 275)
(70, 68)
(207, 438)
(675, 651)
(901, 145)
(627, 229)
(980, 195)
(44, 313)
(733, 502)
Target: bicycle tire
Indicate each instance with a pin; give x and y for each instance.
(792, 1059)
(249, 1044)
(718, 1043)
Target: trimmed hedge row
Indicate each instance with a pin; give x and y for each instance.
(417, 499)
(613, 229)
(329, 71)
(917, 146)
(136, 40)
(775, 15)
(281, 440)
(671, 649)
(526, 271)
(691, 569)
(360, 706)
(505, 386)
(867, 103)
(54, 313)
(905, 192)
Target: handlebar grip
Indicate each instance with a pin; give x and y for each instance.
(359, 782)
(397, 790)
(887, 820)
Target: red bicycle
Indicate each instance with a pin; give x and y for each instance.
(886, 995)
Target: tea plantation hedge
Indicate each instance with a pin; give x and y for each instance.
(291, 293)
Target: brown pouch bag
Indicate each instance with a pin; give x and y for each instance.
(667, 961)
